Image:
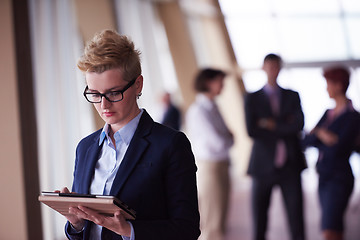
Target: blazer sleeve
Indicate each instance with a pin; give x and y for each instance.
(181, 201)
(291, 119)
(252, 104)
(310, 139)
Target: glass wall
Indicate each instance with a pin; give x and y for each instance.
(309, 35)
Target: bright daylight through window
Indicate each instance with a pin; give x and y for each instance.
(309, 35)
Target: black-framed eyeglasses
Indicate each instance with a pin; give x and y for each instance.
(111, 96)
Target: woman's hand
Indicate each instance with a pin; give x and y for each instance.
(116, 223)
(75, 221)
(327, 137)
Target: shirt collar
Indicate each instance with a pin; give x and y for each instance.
(205, 101)
(271, 89)
(126, 132)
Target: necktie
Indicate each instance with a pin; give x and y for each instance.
(280, 154)
(274, 101)
(280, 151)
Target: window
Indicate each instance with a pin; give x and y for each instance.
(309, 35)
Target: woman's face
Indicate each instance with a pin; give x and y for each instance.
(116, 114)
(334, 89)
(215, 86)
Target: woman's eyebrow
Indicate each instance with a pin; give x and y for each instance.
(117, 88)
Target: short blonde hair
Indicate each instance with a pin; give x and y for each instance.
(109, 50)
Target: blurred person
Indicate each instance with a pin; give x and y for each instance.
(211, 140)
(144, 164)
(172, 115)
(335, 136)
(274, 121)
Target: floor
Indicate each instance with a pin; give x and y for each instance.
(239, 224)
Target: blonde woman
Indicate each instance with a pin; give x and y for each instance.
(145, 164)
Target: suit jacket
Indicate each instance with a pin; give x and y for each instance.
(172, 117)
(289, 124)
(334, 160)
(157, 178)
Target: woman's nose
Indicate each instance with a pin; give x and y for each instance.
(104, 102)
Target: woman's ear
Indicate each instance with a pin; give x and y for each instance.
(139, 84)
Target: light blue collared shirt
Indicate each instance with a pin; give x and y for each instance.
(108, 164)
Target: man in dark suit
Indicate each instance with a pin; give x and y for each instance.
(274, 120)
(146, 165)
(172, 115)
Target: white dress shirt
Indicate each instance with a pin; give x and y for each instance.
(208, 133)
(109, 163)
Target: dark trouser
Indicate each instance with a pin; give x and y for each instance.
(290, 185)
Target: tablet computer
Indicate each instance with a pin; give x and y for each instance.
(106, 205)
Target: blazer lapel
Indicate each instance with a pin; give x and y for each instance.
(282, 101)
(92, 156)
(133, 154)
(265, 102)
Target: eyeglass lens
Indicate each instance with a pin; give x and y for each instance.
(112, 96)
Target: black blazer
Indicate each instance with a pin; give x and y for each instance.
(289, 121)
(335, 159)
(157, 178)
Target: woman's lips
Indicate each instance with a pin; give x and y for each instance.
(108, 114)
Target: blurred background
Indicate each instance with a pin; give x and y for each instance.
(44, 114)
